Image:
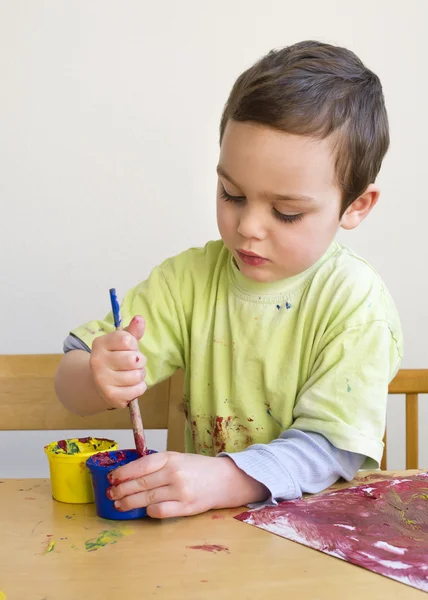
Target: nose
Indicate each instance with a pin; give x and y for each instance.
(251, 223)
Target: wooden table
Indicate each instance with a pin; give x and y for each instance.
(54, 551)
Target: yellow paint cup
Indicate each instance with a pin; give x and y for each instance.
(70, 479)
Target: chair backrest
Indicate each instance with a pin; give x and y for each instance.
(28, 401)
(410, 382)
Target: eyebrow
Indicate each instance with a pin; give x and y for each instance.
(268, 195)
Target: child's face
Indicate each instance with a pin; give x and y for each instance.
(276, 198)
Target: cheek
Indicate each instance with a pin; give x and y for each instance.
(220, 216)
(224, 216)
(316, 235)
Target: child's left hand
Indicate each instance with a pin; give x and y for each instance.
(171, 484)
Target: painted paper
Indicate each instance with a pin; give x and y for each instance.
(382, 526)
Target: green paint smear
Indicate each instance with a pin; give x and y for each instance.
(108, 536)
(72, 448)
(49, 548)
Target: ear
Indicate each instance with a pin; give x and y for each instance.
(360, 208)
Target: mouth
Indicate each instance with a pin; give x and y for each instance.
(251, 258)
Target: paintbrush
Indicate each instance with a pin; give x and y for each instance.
(134, 408)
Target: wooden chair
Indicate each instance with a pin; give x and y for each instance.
(410, 382)
(28, 402)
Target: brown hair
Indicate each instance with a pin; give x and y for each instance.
(317, 90)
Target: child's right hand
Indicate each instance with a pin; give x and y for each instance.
(117, 365)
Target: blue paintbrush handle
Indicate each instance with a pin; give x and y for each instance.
(115, 307)
(134, 409)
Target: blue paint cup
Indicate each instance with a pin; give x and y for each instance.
(100, 465)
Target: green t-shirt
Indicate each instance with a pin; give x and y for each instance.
(313, 352)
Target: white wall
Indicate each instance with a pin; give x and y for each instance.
(109, 115)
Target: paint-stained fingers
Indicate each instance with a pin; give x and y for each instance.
(143, 499)
(140, 484)
(139, 468)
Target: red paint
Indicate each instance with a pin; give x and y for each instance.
(140, 444)
(217, 517)
(105, 460)
(114, 481)
(382, 527)
(220, 433)
(137, 359)
(62, 445)
(210, 548)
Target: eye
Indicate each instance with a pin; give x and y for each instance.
(287, 218)
(229, 198)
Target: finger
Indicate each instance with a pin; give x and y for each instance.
(143, 499)
(126, 378)
(136, 486)
(136, 327)
(169, 509)
(139, 468)
(122, 396)
(126, 360)
(119, 340)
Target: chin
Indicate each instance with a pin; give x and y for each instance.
(257, 275)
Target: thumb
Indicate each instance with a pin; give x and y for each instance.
(136, 327)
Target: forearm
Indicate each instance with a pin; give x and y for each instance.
(296, 463)
(75, 386)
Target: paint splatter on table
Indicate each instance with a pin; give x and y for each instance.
(49, 545)
(210, 548)
(108, 536)
(382, 526)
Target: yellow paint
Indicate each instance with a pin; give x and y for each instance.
(2, 596)
(107, 536)
(49, 548)
(70, 479)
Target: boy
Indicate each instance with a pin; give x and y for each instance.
(287, 338)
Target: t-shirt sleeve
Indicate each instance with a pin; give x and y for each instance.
(345, 397)
(165, 340)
